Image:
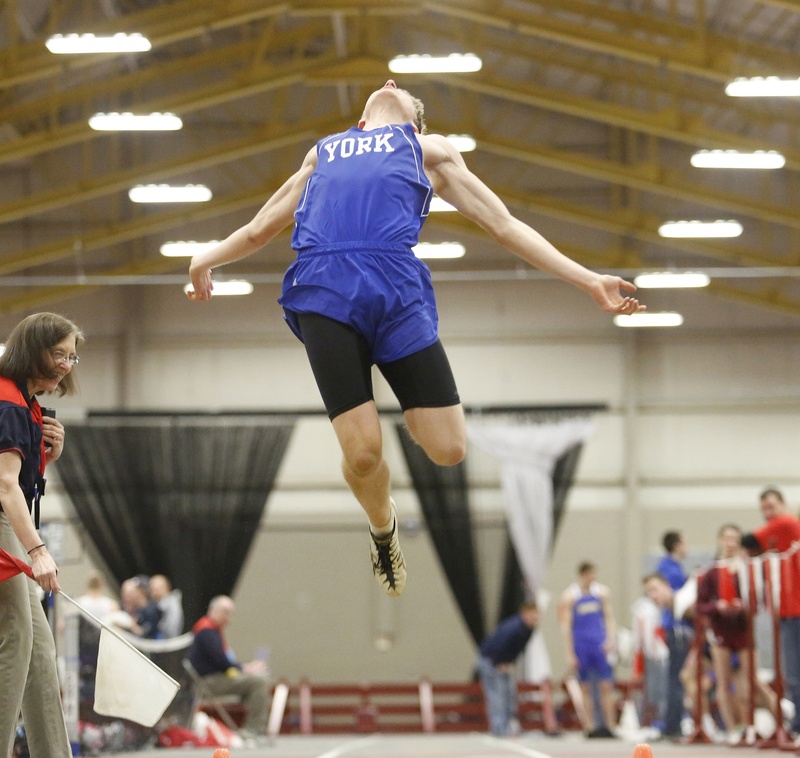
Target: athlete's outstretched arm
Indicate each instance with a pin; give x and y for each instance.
(276, 214)
(456, 184)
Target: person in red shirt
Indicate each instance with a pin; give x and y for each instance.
(213, 659)
(781, 529)
(779, 533)
(40, 354)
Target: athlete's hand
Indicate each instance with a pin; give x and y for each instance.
(202, 286)
(607, 293)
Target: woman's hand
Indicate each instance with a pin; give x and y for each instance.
(45, 571)
(53, 436)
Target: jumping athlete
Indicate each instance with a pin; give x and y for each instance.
(357, 295)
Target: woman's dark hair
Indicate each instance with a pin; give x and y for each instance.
(27, 354)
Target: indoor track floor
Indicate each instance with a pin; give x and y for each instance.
(457, 746)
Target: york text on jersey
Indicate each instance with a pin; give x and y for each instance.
(348, 146)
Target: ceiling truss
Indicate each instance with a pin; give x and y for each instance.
(600, 100)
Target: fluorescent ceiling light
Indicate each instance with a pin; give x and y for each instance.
(2, 349)
(672, 280)
(130, 122)
(439, 250)
(185, 249)
(165, 193)
(700, 229)
(666, 318)
(763, 86)
(763, 159)
(228, 287)
(438, 205)
(463, 142)
(74, 44)
(455, 63)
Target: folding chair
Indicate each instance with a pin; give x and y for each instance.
(204, 697)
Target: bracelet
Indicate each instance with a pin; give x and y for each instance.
(36, 548)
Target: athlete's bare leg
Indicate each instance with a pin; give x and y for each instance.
(440, 432)
(721, 658)
(366, 472)
(588, 704)
(608, 702)
(363, 466)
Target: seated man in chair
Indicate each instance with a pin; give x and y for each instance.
(215, 663)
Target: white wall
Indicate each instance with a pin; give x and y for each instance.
(699, 420)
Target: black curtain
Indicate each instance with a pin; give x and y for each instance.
(443, 496)
(177, 495)
(514, 590)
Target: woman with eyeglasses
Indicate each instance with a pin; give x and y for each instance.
(39, 357)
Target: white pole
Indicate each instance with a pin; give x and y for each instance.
(72, 679)
(279, 698)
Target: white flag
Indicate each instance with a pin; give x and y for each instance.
(129, 685)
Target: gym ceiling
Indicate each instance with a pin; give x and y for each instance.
(586, 114)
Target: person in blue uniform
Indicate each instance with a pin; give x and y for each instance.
(498, 654)
(670, 566)
(39, 357)
(679, 633)
(357, 296)
(588, 630)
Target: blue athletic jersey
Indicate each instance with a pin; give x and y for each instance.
(368, 186)
(588, 621)
(360, 214)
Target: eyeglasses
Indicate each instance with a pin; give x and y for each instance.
(61, 357)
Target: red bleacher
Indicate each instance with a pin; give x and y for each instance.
(389, 707)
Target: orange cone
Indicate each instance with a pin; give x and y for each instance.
(640, 751)
(223, 752)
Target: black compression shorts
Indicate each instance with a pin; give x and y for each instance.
(342, 366)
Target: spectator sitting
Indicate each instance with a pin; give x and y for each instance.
(169, 602)
(215, 662)
(139, 616)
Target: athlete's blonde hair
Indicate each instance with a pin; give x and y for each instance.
(419, 113)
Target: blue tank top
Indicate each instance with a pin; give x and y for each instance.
(368, 186)
(588, 621)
